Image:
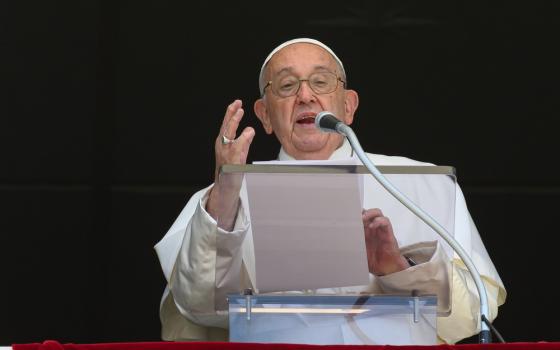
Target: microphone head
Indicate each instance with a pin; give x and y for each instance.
(327, 122)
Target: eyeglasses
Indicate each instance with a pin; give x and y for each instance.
(319, 82)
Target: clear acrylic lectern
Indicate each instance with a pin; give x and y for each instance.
(294, 250)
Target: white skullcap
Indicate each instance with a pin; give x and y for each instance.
(295, 41)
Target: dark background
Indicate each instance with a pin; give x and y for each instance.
(109, 111)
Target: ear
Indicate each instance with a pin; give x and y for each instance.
(351, 101)
(262, 114)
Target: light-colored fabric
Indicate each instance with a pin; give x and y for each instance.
(202, 263)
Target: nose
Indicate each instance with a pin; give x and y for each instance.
(305, 94)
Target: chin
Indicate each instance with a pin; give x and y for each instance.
(311, 145)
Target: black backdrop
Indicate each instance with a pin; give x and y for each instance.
(109, 111)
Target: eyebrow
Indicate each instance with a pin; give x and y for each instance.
(290, 69)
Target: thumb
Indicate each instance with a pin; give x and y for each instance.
(246, 137)
(244, 141)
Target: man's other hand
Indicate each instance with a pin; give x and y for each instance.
(382, 249)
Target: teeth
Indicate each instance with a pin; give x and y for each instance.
(306, 120)
(307, 116)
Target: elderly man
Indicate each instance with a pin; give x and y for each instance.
(203, 262)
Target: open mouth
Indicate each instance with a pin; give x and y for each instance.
(307, 120)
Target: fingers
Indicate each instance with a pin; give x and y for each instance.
(230, 111)
(230, 129)
(379, 223)
(234, 152)
(231, 120)
(381, 244)
(243, 142)
(374, 219)
(370, 214)
(246, 137)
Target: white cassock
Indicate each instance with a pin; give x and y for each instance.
(202, 263)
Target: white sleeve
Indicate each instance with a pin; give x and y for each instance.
(207, 267)
(429, 276)
(463, 321)
(432, 277)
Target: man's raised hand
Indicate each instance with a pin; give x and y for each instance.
(223, 201)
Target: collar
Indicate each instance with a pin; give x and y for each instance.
(343, 152)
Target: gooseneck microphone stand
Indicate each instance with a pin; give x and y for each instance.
(327, 122)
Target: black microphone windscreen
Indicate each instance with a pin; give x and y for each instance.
(327, 121)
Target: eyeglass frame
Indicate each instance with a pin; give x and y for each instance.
(338, 79)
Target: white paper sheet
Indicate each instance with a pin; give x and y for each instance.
(307, 229)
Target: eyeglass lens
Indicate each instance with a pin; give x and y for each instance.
(319, 82)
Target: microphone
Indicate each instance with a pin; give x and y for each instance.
(327, 122)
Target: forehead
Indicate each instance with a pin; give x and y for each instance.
(301, 58)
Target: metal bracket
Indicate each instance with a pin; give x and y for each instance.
(248, 302)
(416, 306)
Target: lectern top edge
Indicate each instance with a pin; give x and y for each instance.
(336, 169)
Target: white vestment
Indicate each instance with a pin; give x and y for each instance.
(202, 263)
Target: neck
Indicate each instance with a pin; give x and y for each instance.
(344, 150)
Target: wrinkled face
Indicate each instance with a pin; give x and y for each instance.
(292, 118)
